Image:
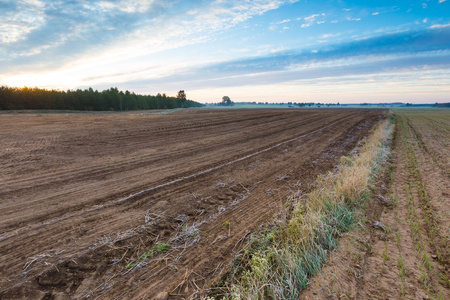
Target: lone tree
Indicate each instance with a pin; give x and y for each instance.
(226, 101)
(182, 97)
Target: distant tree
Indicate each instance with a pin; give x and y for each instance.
(181, 96)
(226, 101)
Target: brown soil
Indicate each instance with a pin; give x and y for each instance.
(83, 196)
(408, 257)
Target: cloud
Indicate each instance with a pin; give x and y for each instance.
(427, 49)
(353, 19)
(329, 35)
(410, 42)
(437, 26)
(312, 19)
(50, 34)
(284, 21)
(331, 73)
(128, 6)
(65, 31)
(18, 23)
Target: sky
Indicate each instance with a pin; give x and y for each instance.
(260, 50)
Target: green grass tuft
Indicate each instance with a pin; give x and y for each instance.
(156, 249)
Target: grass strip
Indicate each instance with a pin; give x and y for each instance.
(279, 262)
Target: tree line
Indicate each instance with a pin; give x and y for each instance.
(13, 98)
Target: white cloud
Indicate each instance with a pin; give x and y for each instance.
(138, 45)
(353, 19)
(375, 13)
(437, 26)
(311, 17)
(128, 6)
(310, 20)
(442, 1)
(284, 21)
(329, 35)
(17, 25)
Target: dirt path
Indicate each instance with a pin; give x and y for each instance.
(69, 228)
(405, 255)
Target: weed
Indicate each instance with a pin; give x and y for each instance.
(345, 160)
(402, 271)
(398, 240)
(385, 255)
(158, 248)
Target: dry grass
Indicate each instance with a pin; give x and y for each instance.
(279, 262)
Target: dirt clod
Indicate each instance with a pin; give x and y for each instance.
(161, 296)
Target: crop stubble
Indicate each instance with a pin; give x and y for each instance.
(65, 233)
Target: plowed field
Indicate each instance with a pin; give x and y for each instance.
(145, 205)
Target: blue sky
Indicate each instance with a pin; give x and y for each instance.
(261, 50)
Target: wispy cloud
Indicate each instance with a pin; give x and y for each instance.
(52, 33)
(66, 30)
(429, 49)
(128, 6)
(353, 19)
(18, 23)
(437, 26)
(329, 35)
(312, 19)
(284, 21)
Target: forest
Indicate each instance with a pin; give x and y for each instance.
(13, 98)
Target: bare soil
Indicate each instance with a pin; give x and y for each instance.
(85, 199)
